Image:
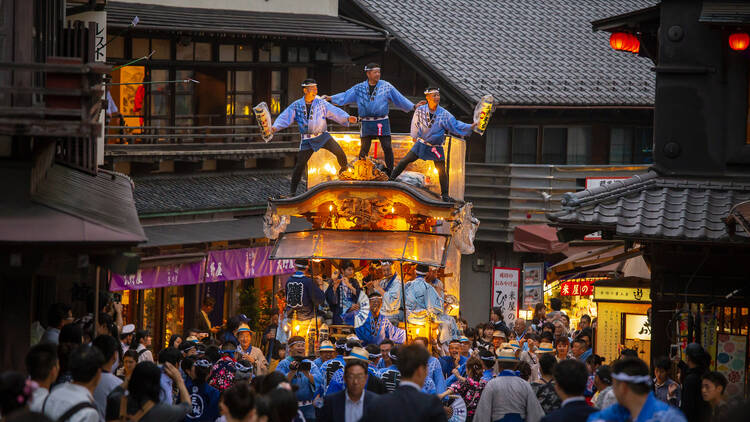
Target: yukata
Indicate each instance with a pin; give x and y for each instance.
(261, 364)
(204, 400)
(428, 131)
(341, 299)
(421, 296)
(372, 106)
(434, 374)
(337, 384)
(391, 299)
(547, 395)
(375, 330)
(470, 391)
(508, 396)
(306, 392)
(302, 296)
(313, 129)
(653, 410)
(222, 374)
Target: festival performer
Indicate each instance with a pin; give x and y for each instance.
(310, 113)
(303, 373)
(330, 366)
(377, 327)
(389, 288)
(302, 296)
(422, 299)
(372, 98)
(428, 127)
(356, 352)
(342, 295)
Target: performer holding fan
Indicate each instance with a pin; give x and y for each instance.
(428, 127)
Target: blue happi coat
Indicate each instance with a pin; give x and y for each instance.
(314, 125)
(420, 295)
(302, 295)
(306, 391)
(654, 410)
(330, 367)
(432, 131)
(375, 330)
(337, 380)
(375, 105)
(391, 377)
(391, 297)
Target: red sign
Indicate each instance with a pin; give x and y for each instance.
(576, 288)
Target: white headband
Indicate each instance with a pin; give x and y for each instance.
(367, 69)
(294, 342)
(432, 91)
(635, 379)
(421, 272)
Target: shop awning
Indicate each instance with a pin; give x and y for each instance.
(213, 231)
(537, 238)
(611, 261)
(239, 22)
(423, 248)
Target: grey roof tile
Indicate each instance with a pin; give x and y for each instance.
(522, 52)
(654, 206)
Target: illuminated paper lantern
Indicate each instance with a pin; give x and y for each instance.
(739, 41)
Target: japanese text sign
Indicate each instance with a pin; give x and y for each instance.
(505, 292)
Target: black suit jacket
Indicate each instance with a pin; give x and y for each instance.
(406, 404)
(334, 407)
(573, 411)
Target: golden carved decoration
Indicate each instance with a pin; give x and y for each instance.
(363, 170)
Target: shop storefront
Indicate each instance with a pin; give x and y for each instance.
(623, 321)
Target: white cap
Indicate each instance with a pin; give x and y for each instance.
(128, 329)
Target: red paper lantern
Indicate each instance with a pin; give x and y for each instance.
(739, 41)
(635, 45)
(619, 40)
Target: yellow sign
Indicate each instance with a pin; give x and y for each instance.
(622, 294)
(637, 327)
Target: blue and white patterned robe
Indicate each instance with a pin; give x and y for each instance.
(306, 391)
(314, 125)
(433, 131)
(374, 331)
(391, 377)
(654, 410)
(391, 298)
(375, 105)
(337, 380)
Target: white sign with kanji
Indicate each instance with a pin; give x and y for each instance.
(505, 292)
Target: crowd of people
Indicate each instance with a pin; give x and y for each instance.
(84, 371)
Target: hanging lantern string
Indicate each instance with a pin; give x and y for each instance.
(179, 81)
(134, 61)
(132, 25)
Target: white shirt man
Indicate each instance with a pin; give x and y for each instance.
(353, 409)
(64, 397)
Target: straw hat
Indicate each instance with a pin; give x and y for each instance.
(506, 353)
(545, 348)
(498, 333)
(358, 353)
(326, 346)
(515, 344)
(242, 329)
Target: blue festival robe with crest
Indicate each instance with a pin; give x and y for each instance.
(375, 330)
(315, 124)
(432, 131)
(302, 295)
(375, 105)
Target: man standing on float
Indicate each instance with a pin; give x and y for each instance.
(372, 98)
(428, 127)
(310, 112)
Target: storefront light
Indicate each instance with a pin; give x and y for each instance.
(739, 41)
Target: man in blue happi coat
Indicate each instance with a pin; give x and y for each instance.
(304, 374)
(377, 327)
(428, 128)
(453, 360)
(372, 98)
(311, 113)
(389, 288)
(303, 295)
(635, 398)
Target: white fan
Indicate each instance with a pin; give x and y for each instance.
(364, 309)
(459, 410)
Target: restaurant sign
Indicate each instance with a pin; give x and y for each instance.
(622, 294)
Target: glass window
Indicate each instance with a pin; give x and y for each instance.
(116, 48)
(244, 53)
(276, 53)
(243, 104)
(276, 92)
(184, 99)
(553, 145)
(160, 48)
(184, 50)
(579, 145)
(239, 96)
(621, 145)
(276, 80)
(226, 53)
(264, 54)
(498, 145)
(524, 145)
(159, 96)
(643, 141)
(140, 47)
(291, 54)
(174, 312)
(244, 81)
(203, 51)
(304, 54)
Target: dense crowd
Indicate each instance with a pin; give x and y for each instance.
(85, 372)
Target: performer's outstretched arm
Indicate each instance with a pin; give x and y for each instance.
(399, 100)
(345, 98)
(285, 119)
(336, 114)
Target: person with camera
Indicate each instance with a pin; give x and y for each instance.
(303, 373)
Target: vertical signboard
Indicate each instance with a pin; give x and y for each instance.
(505, 292)
(533, 276)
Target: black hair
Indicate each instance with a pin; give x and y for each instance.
(56, 313)
(186, 345)
(586, 332)
(187, 363)
(171, 355)
(173, 338)
(228, 345)
(139, 335)
(586, 316)
(423, 340)
(12, 395)
(635, 367)
(629, 353)
(85, 362)
(547, 363)
(594, 360)
(40, 361)
(209, 301)
(487, 358)
(411, 358)
(717, 378)
(268, 382)
(548, 325)
(524, 370)
(546, 335)
(507, 364)
(662, 362)
(581, 341)
(562, 339)
(355, 362)
(533, 336)
(387, 341)
(604, 373)
(213, 354)
(108, 345)
(144, 383)
(130, 353)
(373, 349)
(239, 400)
(279, 405)
(233, 323)
(571, 376)
(346, 264)
(555, 304)
(371, 65)
(499, 312)
(71, 333)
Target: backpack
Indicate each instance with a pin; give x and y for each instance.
(70, 412)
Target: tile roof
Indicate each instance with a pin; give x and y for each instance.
(187, 19)
(522, 52)
(657, 207)
(212, 191)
